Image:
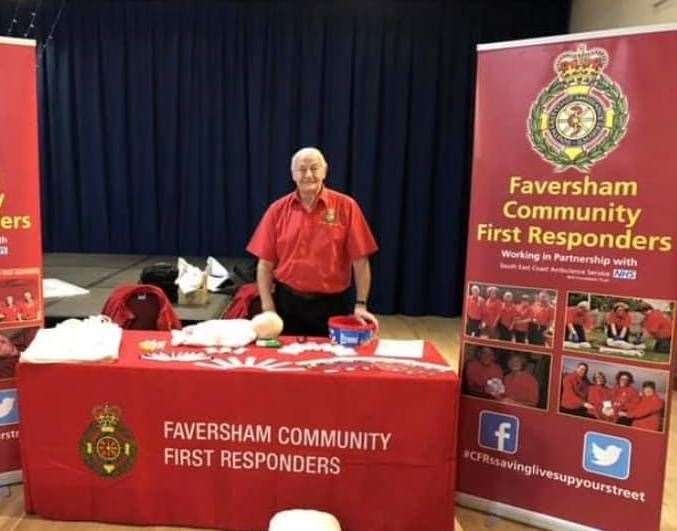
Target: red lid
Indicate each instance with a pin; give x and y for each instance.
(349, 322)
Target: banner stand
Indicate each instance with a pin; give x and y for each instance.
(568, 346)
(21, 301)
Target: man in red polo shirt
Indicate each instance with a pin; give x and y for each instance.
(10, 311)
(520, 385)
(575, 387)
(475, 310)
(648, 412)
(657, 325)
(309, 244)
(481, 369)
(544, 315)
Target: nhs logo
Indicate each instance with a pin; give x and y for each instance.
(9, 413)
(498, 432)
(607, 455)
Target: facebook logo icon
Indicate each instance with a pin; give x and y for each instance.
(499, 432)
(9, 413)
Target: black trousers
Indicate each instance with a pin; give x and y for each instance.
(473, 327)
(537, 334)
(503, 333)
(307, 315)
(580, 332)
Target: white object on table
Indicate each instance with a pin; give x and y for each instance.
(303, 520)
(53, 288)
(397, 348)
(93, 339)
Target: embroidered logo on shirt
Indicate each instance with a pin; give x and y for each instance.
(107, 446)
(330, 216)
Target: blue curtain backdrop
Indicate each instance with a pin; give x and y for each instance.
(167, 126)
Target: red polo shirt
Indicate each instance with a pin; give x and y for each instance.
(11, 313)
(475, 307)
(313, 251)
(28, 312)
(574, 391)
(647, 413)
(544, 314)
(477, 375)
(657, 324)
(621, 321)
(625, 397)
(524, 314)
(521, 387)
(578, 316)
(507, 315)
(492, 308)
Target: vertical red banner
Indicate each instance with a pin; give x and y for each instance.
(21, 304)
(571, 286)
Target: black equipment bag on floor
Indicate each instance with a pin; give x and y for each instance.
(162, 275)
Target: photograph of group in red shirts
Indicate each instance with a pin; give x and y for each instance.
(620, 394)
(621, 327)
(510, 376)
(20, 301)
(510, 314)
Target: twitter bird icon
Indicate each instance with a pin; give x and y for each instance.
(607, 455)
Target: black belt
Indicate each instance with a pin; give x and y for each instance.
(309, 296)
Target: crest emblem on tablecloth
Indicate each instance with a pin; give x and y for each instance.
(582, 115)
(107, 446)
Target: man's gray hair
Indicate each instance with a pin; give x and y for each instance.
(307, 151)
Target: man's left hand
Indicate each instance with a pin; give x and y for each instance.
(364, 316)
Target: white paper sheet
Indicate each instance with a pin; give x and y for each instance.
(53, 288)
(397, 348)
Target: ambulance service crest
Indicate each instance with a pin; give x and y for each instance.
(582, 115)
(107, 446)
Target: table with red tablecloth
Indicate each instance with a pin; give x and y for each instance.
(229, 441)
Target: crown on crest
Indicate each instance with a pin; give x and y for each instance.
(582, 66)
(107, 417)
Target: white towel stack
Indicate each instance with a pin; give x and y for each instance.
(95, 338)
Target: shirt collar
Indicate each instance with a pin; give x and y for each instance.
(322, 197)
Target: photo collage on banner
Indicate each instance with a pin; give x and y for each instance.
(569, 305)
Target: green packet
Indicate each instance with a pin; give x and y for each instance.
(268, 343)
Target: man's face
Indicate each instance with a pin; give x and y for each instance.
(543, 297)
(475, 291)
(582, 370)
(9, 300)
(624, 381)
(515, 363)
(648, 391)
(492, 293)
(308, 173)
(27, 296)
(486, 356)
(507, 297)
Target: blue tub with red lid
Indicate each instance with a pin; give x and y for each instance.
(347, 330)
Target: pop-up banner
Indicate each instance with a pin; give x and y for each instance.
(21, 306)
(571, 285)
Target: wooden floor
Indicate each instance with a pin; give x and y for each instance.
(444, 333)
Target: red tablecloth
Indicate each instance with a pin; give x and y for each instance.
(372, 443)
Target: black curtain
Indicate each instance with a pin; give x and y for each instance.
(167, 126)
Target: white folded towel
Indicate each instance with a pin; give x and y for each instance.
(93, 339)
